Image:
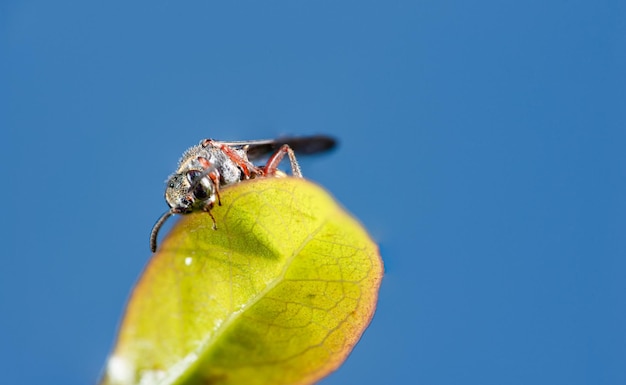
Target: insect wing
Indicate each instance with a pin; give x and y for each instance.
(305, 145)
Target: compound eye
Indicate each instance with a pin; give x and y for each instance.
(200, 192)
(193, 175)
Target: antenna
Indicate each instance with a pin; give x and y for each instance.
(157, 226)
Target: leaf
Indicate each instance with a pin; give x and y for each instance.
(279, 294)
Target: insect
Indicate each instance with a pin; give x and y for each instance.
(205, 168)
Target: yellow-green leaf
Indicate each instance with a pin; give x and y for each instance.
(279, 294)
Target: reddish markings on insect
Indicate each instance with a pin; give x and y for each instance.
(277, 157)
(205, 168)
(232, 154)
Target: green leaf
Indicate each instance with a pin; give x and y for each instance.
(279, 294)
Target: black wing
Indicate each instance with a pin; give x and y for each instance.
(304, 145)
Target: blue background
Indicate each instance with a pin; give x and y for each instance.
(482, 144)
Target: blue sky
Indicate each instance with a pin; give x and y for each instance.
(482, 145)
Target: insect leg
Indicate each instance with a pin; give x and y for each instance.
(207, 209)
(277, 157)
(213, 175)
(216, 183)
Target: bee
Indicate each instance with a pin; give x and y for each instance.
(205, 168)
